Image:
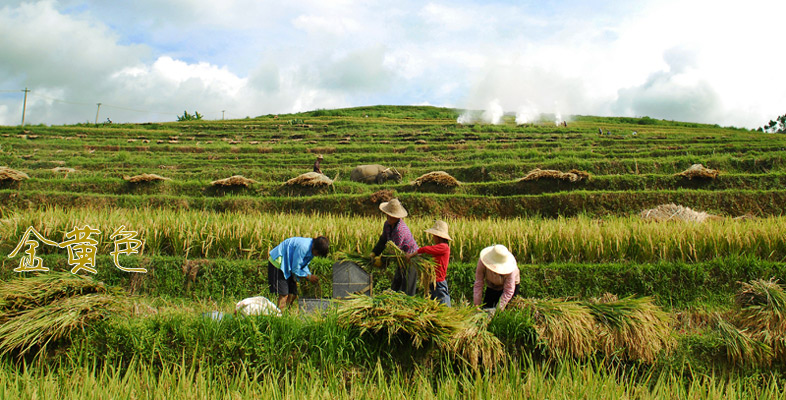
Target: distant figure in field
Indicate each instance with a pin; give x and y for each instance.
(316, 164)
(634, 133)
(565, 123)
(600, 131)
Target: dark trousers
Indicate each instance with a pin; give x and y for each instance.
(439, 292)
(491, 298)
(406, 280)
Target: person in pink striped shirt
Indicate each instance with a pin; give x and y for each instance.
(498, 271)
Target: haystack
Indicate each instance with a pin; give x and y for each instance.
(699, 171)
(63, 170)
(8, 174)
(673, 212)
(142, 178)
(234, 180)
(573, 175)
(439, 178)
(310, 179)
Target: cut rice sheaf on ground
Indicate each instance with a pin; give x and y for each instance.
(235, 180)
(673, 212)
(144, 178)
(573, 175)
(310, 179)
(440, 178)
(8, 174)
(699, 171)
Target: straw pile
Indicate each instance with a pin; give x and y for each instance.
(460, 332)
(439, 178)
(381, 196)
(142, 178)
(673, 212)
(756, 332)
(40, 310)
(8, 174)
(63, 170)
(573, 175)
(630, 328)
(234, 180)
(310, 179)
(699, 171)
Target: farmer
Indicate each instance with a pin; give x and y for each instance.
(396, 231)
(316, 164)
(498, 270)
(440, 250)
(288, 263)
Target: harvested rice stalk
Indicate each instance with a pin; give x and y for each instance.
(741, 347)
(64, 170)
(698, 171)
(439, 178)
(234, 180)
(636, 328)
(39, 310)
(573, 175)
(564, 327)
(673, 212)
(762, 314)
(310, 179)
(395, 313)
(8, 174)
(475, 345)
(144, 178)
(392, 255)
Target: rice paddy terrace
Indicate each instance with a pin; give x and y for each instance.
(576, 239)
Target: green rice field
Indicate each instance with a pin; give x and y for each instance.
(614, 304)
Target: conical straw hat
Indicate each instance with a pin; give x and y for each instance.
(440, 229)
(393, 208)
(498, 259)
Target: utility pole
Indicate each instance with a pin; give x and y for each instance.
(222, 114)
(99, 109)
(24, 106)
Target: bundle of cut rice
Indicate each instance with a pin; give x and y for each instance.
(64, 170)
(392, 255)
(573, 175)
(439, 178)
(144, 178)
(310, 179)
(38, 310)
(234, 180)
(8, 174)
(673, 212)
(699, 171)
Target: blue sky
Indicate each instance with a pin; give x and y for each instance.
(687, 60)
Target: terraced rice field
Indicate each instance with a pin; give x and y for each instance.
(573, 240)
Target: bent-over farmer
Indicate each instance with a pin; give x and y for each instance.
(396, 231)
(288, 262)
(440, 251)
(496, 269)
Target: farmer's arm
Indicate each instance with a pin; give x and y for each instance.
(381, 243)
(508, 288)
(477, 288)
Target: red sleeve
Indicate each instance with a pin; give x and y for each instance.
(435, 250)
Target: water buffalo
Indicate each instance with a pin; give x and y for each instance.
(374, 173)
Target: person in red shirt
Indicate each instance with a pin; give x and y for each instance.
(441, 253)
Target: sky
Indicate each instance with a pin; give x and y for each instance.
(713, 62)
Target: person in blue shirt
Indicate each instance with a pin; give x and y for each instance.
(288, 262)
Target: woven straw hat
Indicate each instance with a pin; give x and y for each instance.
(393, 208)
(440, 229)
(320, 156)
(498, 259)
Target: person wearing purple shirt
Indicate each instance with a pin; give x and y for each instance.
(396, 231)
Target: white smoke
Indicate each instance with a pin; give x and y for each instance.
(526, 114)
(465, 118)
(558, 119)
(493, 113)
